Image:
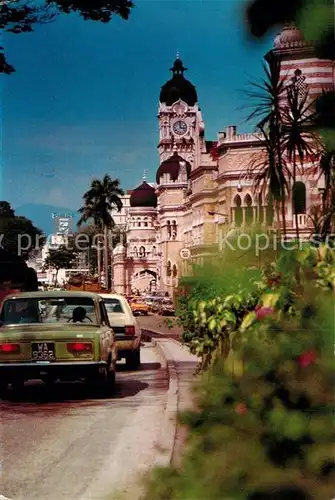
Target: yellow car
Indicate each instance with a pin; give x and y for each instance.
(56, 336)
(139, 308)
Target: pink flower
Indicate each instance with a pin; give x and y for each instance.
(263, 312)
(307, 358)
(241, 409)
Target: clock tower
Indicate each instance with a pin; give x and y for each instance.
(181, 127)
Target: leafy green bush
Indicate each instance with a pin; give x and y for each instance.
(217, 300)
(267, 433)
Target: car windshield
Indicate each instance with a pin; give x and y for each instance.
(74, 310)
(113, 305)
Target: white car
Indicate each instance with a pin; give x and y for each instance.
(126, 327)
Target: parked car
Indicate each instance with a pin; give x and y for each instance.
(155, 304)
(56, 336)
(166, 308)
(139, 307)
(126, 327)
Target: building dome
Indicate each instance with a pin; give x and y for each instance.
(178, 87)
(289, 37)
(143, 196)
(172, 166)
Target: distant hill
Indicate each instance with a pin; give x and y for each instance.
(41, 215)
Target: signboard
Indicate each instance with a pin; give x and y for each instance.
(185, 253)
(63, 225)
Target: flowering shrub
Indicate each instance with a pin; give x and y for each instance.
(215, 309)
(266, 433)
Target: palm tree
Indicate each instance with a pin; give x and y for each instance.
(99, 200)
(271, 173)
(299, 139)
(269, 98)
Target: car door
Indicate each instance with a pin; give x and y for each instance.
(108, 338)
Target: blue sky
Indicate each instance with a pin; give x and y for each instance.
(84, 98)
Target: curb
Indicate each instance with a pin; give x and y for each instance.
(166, 443)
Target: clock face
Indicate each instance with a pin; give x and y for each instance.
(179, 127)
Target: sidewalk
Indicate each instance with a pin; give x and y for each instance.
(181, 366)
(159, 325)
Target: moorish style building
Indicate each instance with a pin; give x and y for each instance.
(205, 186)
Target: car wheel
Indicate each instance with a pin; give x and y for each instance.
(103, 382)
(133, 359)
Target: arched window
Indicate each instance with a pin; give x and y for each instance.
(168, 227)
(138, 222)
(238, 210)
(142, 252)
(135, 251)
(299, 198)
(174, 271)
(174, 230)
(145, 222)
(248, 209)
(168, 269)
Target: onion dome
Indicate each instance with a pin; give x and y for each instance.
(289, 37)
(172, 166)
(178, 87)
(143, 196)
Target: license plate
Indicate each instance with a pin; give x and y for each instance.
(43, 351)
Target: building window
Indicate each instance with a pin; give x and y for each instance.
(174, 230)
(299, 198)
(168, 227)
(168, 269)
(135, 251)
(299, 84)
(238, 210)
(174, 271)
(142, 252)
(248, 209)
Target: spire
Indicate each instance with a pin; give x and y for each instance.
(145, 174)
(177, 55)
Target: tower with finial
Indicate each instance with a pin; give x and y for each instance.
(180, 120)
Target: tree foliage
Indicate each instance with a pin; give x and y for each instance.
(19, 235)
(99, 202)
(22, 16)
(60, 258)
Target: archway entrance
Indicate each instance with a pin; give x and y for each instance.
(144, 281)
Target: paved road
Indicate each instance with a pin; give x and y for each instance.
(67, 445)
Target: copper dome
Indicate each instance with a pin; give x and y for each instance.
(143, 196)
(172, 166)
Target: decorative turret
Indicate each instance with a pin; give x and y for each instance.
(144, 196)
(178, 87)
